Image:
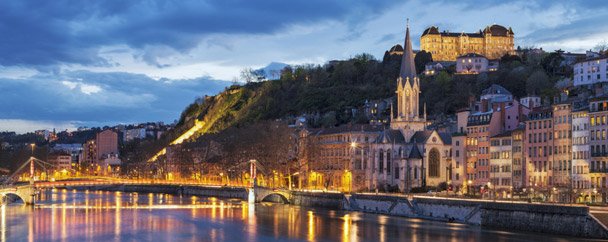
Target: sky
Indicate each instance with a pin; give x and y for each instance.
(71, 63)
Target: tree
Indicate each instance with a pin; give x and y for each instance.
(537, 82)
(422, 58)
(601, 47)
(552, 63)
(247, 75)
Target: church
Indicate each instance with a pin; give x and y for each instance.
(407, 155)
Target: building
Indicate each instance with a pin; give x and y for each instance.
(530, 102)
(135, 133)
(598, 126)
(501, 162)
(591, 71)
(518, 156)
(337, 158)
(472, 63)
(107, 144)
(61, 161)
(89, 153)
(408, 156)
(458, 166)
(435, 67)
(493, 42)
(562, 151)
(581, 181)
(74, 149)
(539, 149)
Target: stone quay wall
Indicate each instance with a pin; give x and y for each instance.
(544, 218)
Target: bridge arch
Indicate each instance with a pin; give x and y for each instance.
(281, 196)
(266, 194)
(6, 196)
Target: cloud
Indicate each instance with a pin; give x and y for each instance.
(90, 97)
(74, 31)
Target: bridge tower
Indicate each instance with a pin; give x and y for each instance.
(253, 172)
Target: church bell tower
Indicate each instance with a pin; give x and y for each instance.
(407, 116)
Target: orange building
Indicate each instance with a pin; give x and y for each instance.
(493, 42)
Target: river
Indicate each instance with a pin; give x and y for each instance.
(66, 215)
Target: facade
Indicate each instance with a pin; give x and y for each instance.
(472, 63)
(107, 144)
(530, 101)
(518, 154)
(75, 150)
(598, 127)
(61, 161)
(458, 166)
(493, 42)
(539, 149)
(562, 149)
(337, 158)
(591, 71)
(89, 153)
(501, 162)
(136, 133)
(581, 155)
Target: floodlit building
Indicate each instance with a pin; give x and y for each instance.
(493, 42)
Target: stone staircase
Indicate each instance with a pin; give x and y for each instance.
(601, 217)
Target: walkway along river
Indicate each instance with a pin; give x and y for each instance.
(71, 215)
(462, 212)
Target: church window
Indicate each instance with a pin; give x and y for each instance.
(434, 157)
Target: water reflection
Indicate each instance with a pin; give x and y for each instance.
(63, 215)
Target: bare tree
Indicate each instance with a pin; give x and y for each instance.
(247, 74)
(601, 47)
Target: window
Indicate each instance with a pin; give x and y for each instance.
(434, 162)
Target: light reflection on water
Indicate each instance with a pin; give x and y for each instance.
(63, 215)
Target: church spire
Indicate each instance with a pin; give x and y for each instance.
(408, 69)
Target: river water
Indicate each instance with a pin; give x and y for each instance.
(66, 215)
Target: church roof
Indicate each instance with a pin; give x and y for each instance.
(421, 136)
(446, 138)
(390, 136)
(408, 68)
(415, 153)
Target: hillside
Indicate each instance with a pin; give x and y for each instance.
(325, 93)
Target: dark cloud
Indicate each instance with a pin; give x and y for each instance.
(42, 33)
(112, 97)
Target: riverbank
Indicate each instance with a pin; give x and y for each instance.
(544, 218)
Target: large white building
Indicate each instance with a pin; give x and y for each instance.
(591, 71)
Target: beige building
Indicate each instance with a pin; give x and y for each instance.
(336, 158)
(493, 42)
(107, 144)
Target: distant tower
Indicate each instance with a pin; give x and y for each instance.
(407, 118)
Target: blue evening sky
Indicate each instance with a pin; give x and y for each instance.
(69, 63)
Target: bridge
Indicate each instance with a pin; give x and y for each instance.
(27, 193)
(264, 193)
